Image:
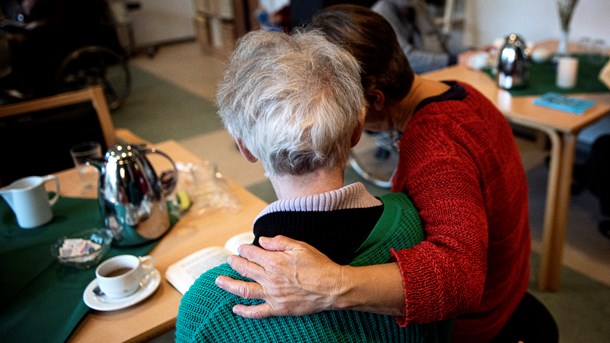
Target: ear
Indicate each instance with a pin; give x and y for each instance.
(376, 99)
(244, 151)
(359, 128)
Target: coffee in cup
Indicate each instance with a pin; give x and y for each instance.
(122, 275)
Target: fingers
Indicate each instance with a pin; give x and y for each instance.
(251, 261)
(246, 290)
(283, 243)
(245, 267)
(283, 291)
(253, 312)
(277, 243)
(267, 257)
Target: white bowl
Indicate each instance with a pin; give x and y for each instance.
(100, 236)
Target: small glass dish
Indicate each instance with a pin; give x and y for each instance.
(98, 243)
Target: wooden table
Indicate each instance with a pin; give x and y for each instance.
(157, 314)
(562, 129)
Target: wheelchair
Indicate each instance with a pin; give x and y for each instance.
(91, 65)
(78, 47)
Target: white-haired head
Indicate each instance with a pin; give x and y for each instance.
(294, 101)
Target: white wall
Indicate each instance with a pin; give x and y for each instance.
(163, 21)
(534, 20)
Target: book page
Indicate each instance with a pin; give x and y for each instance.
(234, 242)
(183, 273)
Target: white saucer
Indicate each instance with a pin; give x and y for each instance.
(104, 303)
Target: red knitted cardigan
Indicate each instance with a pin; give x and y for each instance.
(460, 165)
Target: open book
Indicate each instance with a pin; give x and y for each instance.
(183, 273)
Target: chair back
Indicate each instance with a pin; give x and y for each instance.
(36, 135)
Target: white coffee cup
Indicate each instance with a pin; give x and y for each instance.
(28, 199)
(122, 275)
(567, 72)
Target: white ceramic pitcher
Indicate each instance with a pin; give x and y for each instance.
(28, 199)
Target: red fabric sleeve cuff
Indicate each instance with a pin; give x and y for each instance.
(401, 320)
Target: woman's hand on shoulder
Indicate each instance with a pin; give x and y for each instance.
(292, 277)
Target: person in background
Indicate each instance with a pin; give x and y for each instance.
(45, 32)
(419, 38)
(274, 15)
(426, 48)
(459, 164)
(296, 104)
(33, 40)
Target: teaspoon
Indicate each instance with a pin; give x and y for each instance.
(97, 291)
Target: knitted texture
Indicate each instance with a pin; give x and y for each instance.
(205, 313)
(353, 195)
(350, 227)
(460, 166)
(398, 212)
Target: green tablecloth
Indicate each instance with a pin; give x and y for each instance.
(542, 78)
(40, 299)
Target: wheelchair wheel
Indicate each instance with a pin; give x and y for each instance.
(94, 65)
(375, 159)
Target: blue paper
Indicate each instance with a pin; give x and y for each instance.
(564, 102)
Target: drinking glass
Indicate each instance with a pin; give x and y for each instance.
(82, 153)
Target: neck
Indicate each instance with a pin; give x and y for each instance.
(420, 90)
(319, 181)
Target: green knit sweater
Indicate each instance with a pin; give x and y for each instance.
(206, 315)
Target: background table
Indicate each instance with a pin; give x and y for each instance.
(562, 129)
(157, 314)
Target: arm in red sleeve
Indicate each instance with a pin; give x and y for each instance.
(444, 276)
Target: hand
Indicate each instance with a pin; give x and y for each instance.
(292, 277)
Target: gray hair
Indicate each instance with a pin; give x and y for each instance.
(293, 100)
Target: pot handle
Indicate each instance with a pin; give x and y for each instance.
(168, 178)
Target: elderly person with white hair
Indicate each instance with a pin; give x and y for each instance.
(296, 104)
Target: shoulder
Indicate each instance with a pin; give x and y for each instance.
(204, 295)
(465, 112)
(204, 303)
(395, 198)
(399, 201)
(401, 214)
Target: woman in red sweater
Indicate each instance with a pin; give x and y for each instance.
(460, 166)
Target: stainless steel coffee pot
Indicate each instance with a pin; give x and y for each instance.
(513, 63)
(132, 196)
